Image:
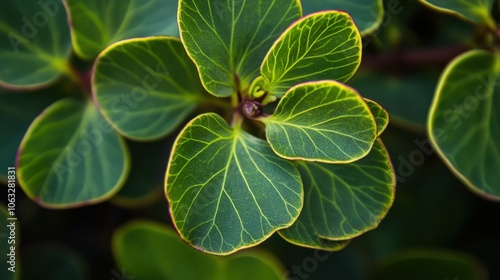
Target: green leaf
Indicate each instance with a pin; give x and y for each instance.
(321, 46)
(431, 264)
(145, 95)
(34, 43)
(464, 121)
(227, 189)
(97, 24)
(407, 98)
(478, 11)
(367, 14)
(380, 114)
(5, 245)
(321, 121)
(17, 111)
(71, 157)
(250, 266)
(229, 39)
(53, 261)
(147, 172)
(343, 201)
(175, 260)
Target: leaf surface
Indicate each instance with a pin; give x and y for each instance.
(71, 157)
(321, 46)
(146, 87)
(321, 121)
(367, 14)
(229, 39)
(343, 201)
(478, 11)
(227, 189)
(176, 260)
(35, 43)
(97, 24)
(464, 120)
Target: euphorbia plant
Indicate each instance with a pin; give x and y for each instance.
(310, 167)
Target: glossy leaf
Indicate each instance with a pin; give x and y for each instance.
(34, 43)
(146, 87)
(407, 98)
(380, 114)
(431, 264)
(464, 121)
(343, 201)
(97, 24)
(176, 260)
(321, 121)
(321, 46)
(5, 245)
(227, 189)
(71, 157)
(478, 11)
(367, 14)
(229, 39)
(17, 111)
(53, 261)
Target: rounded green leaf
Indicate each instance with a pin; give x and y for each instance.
(17, 111)
(173, 258)
(176, 260)
(431, 264)
(321, 46)
(464, 120)
(229, 39)
(367, 14)
(146, 87)
(478, 11)
(343, 201)
(321, 121)
(34, 43)
(10, 266)
(97, 24)
(70, 157)
(227, 189)
(380, 114)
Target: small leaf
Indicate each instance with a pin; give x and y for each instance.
(343, 201)
(227, 189)
(321, 121)
(431, 264)
(380, 114)
(478, 11)
(321, 46)
(145, 95)
(34, 43)
(176, 260)
(464, 121)
(5, 273)
(97, 24)
(71, 157)
(367, 14)
(229, 39)
(17, 111)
